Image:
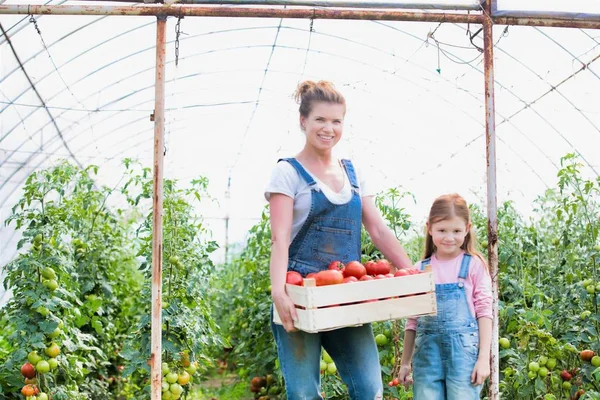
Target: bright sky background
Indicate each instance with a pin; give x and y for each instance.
(230, 111)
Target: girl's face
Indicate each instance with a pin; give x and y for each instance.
(448, 236)
(324, 125)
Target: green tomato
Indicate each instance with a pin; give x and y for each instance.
(55, 333)
(542, 360)
(53, 363)
(595, 361)
(33, 357)
(42, 396)
(42, 367)
(48, 273)
(165, 386)
(504, 343)
(533, 366)
(174, 260)
(43, 311)
(176, 389)
(532, 374)
(566, 385)
(51, 284)
(381, 340)
(171, 377)
(585, 314)
(38, 238)
(326, 357)
(165, 368)
(551, 363)
(590, 289)
(543, 372)
(331, 368)
(322, 366)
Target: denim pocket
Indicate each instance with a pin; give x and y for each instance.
(470, 343)
(331, 240)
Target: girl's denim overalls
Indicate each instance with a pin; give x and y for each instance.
(331, 232)
(447, 345)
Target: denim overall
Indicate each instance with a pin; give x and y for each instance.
(331, 232)
(447, 345)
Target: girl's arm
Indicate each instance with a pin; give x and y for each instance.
(482, 366)
(407, 355)
(281, 210)
(382, 236)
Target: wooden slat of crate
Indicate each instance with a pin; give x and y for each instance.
(311, 297)
(323, 319)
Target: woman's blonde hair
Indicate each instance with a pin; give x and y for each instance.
(445, 207)
(310, 92)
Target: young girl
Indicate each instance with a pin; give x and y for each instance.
(451, 349)
(318, 206)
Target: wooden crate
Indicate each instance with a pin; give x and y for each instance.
(399, 297)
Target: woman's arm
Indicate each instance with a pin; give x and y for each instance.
(281, 210)
(382, 236)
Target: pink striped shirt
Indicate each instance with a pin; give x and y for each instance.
(478, 285)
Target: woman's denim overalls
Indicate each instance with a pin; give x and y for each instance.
(331, 232)
(447, 345)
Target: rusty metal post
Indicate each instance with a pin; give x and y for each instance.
(492, 206)
(157, 214)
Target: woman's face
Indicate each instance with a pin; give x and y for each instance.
(324, 125)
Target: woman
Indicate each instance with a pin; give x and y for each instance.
(317, 204)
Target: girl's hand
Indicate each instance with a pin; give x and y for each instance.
(405, 376)
(480, 372)
(286, 310)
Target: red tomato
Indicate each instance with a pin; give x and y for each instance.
(390, 275)
(402, 272)
(329, 277)
(366, 278)
(371, 267)
(379, 276)
(383, 266)
(28, 390)
(336, 265)
(294, 278)
(28, 370)
(311, 275)
(355, 269)
(350, 279)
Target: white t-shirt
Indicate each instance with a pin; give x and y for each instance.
(286, 180)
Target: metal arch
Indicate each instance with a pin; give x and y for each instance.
(3, 78)
(237, 29)
(295, 48)
(520, 99)
(107, 65)
(322, 52)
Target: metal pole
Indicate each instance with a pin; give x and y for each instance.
(241, 12)
(157, 215)
(473, 5)
(492, 206)
(591, 22)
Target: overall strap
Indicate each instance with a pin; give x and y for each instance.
(305, 175)
(425, 262)
(464, 266)
(351, 174)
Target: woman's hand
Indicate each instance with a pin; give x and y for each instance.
(405, 376)
(286, 310)
(480, 372)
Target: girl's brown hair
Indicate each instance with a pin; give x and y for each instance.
(445, 207)
(310, 92)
